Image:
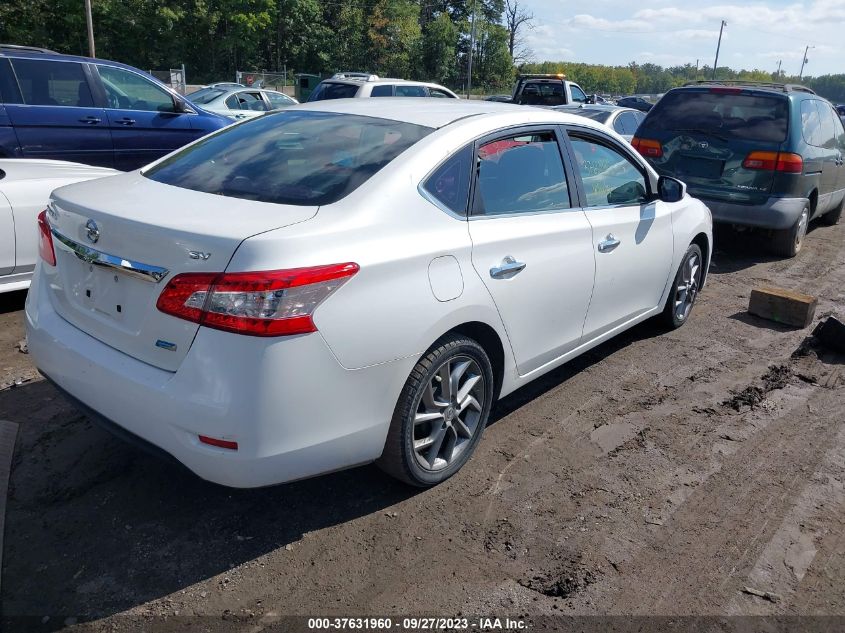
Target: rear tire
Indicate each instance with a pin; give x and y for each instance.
(685, 288)
(788, 242)
(441, 413)
(832, 217)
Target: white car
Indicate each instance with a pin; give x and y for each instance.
(25, 187)
(623, 121)
(363, 85)
(240, 103)
(364, 292)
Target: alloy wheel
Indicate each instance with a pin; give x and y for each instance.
(448, 414)
(689, 282)
(801, 229)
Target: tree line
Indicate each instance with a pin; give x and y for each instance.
(414, 39)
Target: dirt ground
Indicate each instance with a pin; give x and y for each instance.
(661, 473)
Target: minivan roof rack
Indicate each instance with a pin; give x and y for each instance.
(26, 49)
(356, 75)
(751, 84)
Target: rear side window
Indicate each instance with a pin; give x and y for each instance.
(817, 124)
(449, 183)
(382, 91)
(724, 115)
(53, 83)
(521, 174)
(289, 157)
(330, 90)
(411, 91)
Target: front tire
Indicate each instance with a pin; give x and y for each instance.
(685, 288)
(441, 413)
(788, 242)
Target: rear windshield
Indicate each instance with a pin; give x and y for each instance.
(290, 157)
(729, 116)
(205, 95)
(329, 90)
(596, 115)
(542, 93)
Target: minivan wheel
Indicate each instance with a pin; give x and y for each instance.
(789, 241)
(685, 289)
(441, 413)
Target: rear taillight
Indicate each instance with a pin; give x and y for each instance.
(45, 240)
(648, 147)
(774, 161)
(267, 303)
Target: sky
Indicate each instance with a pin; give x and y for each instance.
(677, 32)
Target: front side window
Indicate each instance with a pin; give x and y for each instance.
(382, 91)
(608, 175)
(289, 157)
(248, 101)
(410, 91)
(449, 183)
(53, 83)
(521, 174)
(578, 95)
(278, 100)
(205, 95)
(128, 91)
(626, 123)
(439, 94)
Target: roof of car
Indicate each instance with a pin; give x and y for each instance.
(596, 107)
(44, 54)
(435, 113)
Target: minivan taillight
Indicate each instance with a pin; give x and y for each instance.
(45, 239)
(265, 303)
(648, 147)
(774, 161)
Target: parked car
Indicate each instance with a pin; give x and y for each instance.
(25, 187)
(637, 103)
(500, 98)
(225, 84)
(597, 99)
(364, 292)
(91, 111)
(760, 155)
(348, 85)
(623, 121)
(547, 90)
(241, 103)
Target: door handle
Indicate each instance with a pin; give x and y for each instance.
(90, 120)
(126, 121)
(609, 243)
(507, 269)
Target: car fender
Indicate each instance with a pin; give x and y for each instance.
(690, 218)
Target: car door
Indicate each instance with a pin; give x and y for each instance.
(632, 239)
(144, 118)
(839, 131)
(54, 113)
(7, 235)
(532, 246)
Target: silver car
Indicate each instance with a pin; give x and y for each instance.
(240, 103)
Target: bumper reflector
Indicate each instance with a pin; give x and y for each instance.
(213, 441)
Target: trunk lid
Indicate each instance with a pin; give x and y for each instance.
(119, 240)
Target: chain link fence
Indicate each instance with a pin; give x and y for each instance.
(175, 78)
(263, 79)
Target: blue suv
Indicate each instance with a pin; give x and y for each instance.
(91, 111)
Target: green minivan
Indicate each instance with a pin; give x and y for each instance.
(758, 154)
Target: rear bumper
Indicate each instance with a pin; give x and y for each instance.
(292, 408)
(775, 213)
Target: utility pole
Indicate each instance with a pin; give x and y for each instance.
(718, 46)
(471, 50)
(804, 60)
(780, 61)
(90, 21)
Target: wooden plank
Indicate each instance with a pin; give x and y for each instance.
(8, 433)
(783, 306)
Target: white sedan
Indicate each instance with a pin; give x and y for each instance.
(240, 103)
(25, 187)
(353, 281)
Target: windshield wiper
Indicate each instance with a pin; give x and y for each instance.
(700, 130)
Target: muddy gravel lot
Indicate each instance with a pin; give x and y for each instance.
(661, 473)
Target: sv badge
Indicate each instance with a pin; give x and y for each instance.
(198, 255)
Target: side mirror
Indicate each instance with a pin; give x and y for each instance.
(670, 189)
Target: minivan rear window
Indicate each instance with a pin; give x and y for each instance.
(289, 157)
(725, 115)
(330, 90)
